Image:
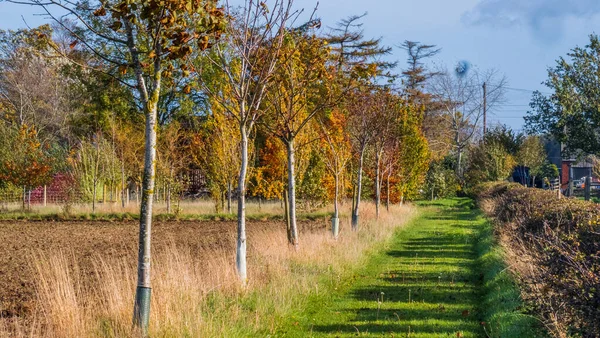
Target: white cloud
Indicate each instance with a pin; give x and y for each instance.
(544, 17)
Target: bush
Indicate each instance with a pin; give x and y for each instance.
(554, 246)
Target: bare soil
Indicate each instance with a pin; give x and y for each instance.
(21, 240)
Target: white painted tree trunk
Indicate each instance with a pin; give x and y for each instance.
(377, 183)
(355, 212)
(292, 192)
(241, 230)
(143, 290)
(335, 221)
(336, 208)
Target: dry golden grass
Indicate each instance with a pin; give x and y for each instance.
(187, 207)
(198, 295)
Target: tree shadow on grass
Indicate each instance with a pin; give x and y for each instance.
(433, 287)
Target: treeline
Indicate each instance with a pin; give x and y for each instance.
(260, 99)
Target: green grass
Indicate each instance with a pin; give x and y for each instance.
(503, 309)
(441, 276)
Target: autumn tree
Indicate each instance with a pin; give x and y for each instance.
(145, 40)
(298, 93)
(416, 75)
(385, 118)
(338, 152)
(247, 58)
(359, 63)
(361, 130)
(269, 174)
(23, 161)
(174, 157)
(216, 150)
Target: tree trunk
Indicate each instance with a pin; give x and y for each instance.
(45, 196)
(241, 230)
(288, 228)
(24, 196)
(143, 290)
(377, 183)
(123, 192)
(229, 197)
(355, 212)
(387, 199)
(169, 198)
(29, 200)
(103, 193)
(94, 196)
(459, 163)
(223, 201)
(292, 192)
(335, 221)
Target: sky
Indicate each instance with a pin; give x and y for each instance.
(519, 38)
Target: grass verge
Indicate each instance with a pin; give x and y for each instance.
(441, 275)
(503, 310)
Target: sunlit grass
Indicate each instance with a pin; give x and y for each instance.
(197, 294)
(185, 210)
(429, 281)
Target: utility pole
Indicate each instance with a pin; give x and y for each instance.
(484, 108)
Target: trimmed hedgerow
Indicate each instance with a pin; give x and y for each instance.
(554, 248)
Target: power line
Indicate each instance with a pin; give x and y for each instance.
(526, 90)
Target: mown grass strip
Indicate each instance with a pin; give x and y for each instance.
(441, 276)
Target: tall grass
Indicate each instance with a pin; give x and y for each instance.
(190, 210)
(196, 293)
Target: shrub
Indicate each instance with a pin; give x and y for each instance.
(554, 247)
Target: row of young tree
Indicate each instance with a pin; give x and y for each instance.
(259, 98)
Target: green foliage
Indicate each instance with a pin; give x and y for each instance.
(572, 113)
(489, 161)
(311, 189)
(413, 157)
(23, 161)
(441, 181)
(532, 154)
(549, 170)
(93, 164)
(509, 139)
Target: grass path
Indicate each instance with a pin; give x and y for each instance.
(426, 283)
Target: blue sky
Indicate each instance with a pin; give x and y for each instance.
(520, 38)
